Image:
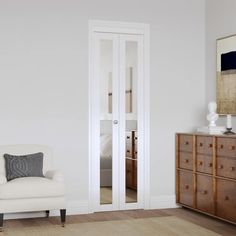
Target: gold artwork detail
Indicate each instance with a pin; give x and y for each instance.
(226, 92)
(226, 75)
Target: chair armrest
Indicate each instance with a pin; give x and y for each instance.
(55, 175)
(3, 179)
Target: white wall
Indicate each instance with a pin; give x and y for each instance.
(44, 80)
(220, 22)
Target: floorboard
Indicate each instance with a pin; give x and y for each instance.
(215, 225)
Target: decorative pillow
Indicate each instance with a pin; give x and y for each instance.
(23, 166)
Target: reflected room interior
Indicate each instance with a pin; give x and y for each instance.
(106, 100)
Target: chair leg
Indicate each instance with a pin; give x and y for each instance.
(1, 222)
(47, 213)
(63, 217)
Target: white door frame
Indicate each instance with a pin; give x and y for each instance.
(119, 28)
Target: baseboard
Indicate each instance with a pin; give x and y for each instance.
(77, 207)
(162, 202)
(73, 208)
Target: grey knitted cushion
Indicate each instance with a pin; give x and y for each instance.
(24, 166)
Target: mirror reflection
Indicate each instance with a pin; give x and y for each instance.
(128, 91)
(106, 55)
(131, 148)
(106, 136)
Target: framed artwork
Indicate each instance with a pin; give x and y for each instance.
(226, 75)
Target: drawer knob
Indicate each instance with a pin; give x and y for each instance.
(210, 165)
(221, 146)
(232, 168)
(186, 161)
(186, 143)
(128, 151)
(186, 186)
(200, 144)
(200, 163)
(226, 198)
(232, 148)
(136, 138)
(221, 167)
(210, 145)
(136, 152)
(204, 192)
(128, 137)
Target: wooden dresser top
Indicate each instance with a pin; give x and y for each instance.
(205, 134)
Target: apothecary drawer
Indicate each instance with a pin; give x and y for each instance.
(186, 188)
(129, 164)
(205, 200)
(186, 160)
(128, 151)
(204, 164)
(129, 144)
(185, 142)
(226, 147)
(135, 144)
(204, 145)
(226, 167)
(226, 199)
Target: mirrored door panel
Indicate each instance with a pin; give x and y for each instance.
(131, 123)
(118, 73)
(106, 135)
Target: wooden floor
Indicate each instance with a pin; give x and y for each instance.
(106, 195)
(217, 226)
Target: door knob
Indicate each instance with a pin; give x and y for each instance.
(115, 122)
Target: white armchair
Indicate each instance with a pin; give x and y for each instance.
(31, 193)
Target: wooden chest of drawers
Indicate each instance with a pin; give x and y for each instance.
(206, 174)
(131, 159)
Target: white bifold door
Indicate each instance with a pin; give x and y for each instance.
(118, 121)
